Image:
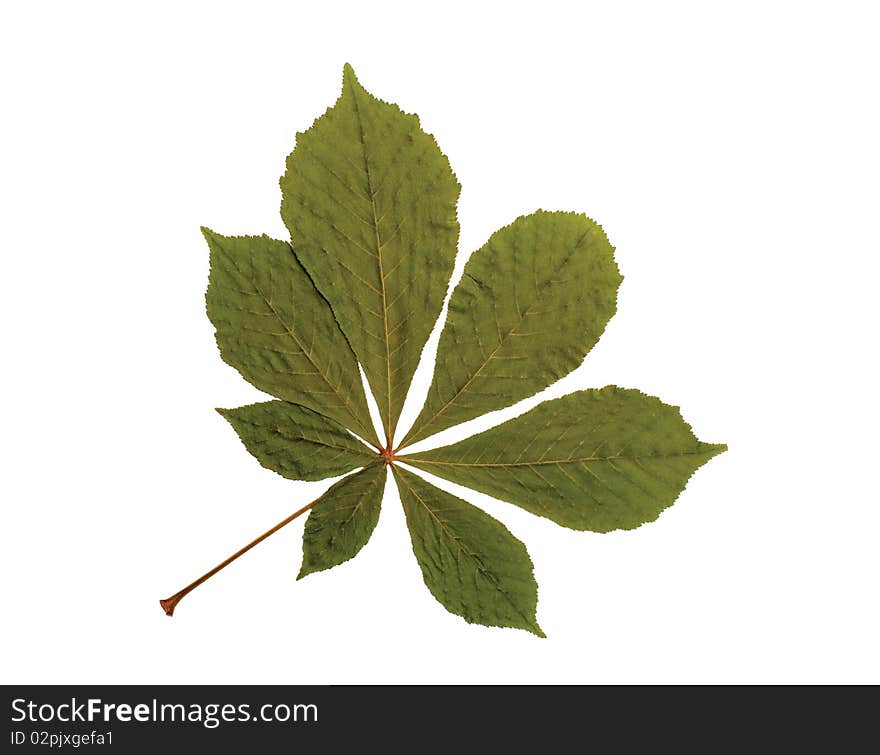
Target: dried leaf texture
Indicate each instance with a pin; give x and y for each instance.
(370, 202)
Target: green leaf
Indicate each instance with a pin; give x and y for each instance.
(340, 524)
(470, 561)
(296, 442)
(370, 203)
(277, 330)
(531, 303)
(597, 460)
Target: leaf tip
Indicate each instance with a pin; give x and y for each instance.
(349, 77)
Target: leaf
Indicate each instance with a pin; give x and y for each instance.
(370, 203)
(531, 303)
(598, 460)
(341, 523)
(275, 328)
(470, 561)
(296, 442)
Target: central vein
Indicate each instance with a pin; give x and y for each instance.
(385, 330)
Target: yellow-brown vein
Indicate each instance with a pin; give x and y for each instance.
(389, 430)
(549, 462)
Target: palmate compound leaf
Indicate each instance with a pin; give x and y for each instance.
(531, 303)
(277, 330)
(600, 460)
(369, 200)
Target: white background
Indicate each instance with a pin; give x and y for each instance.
(731, 153)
